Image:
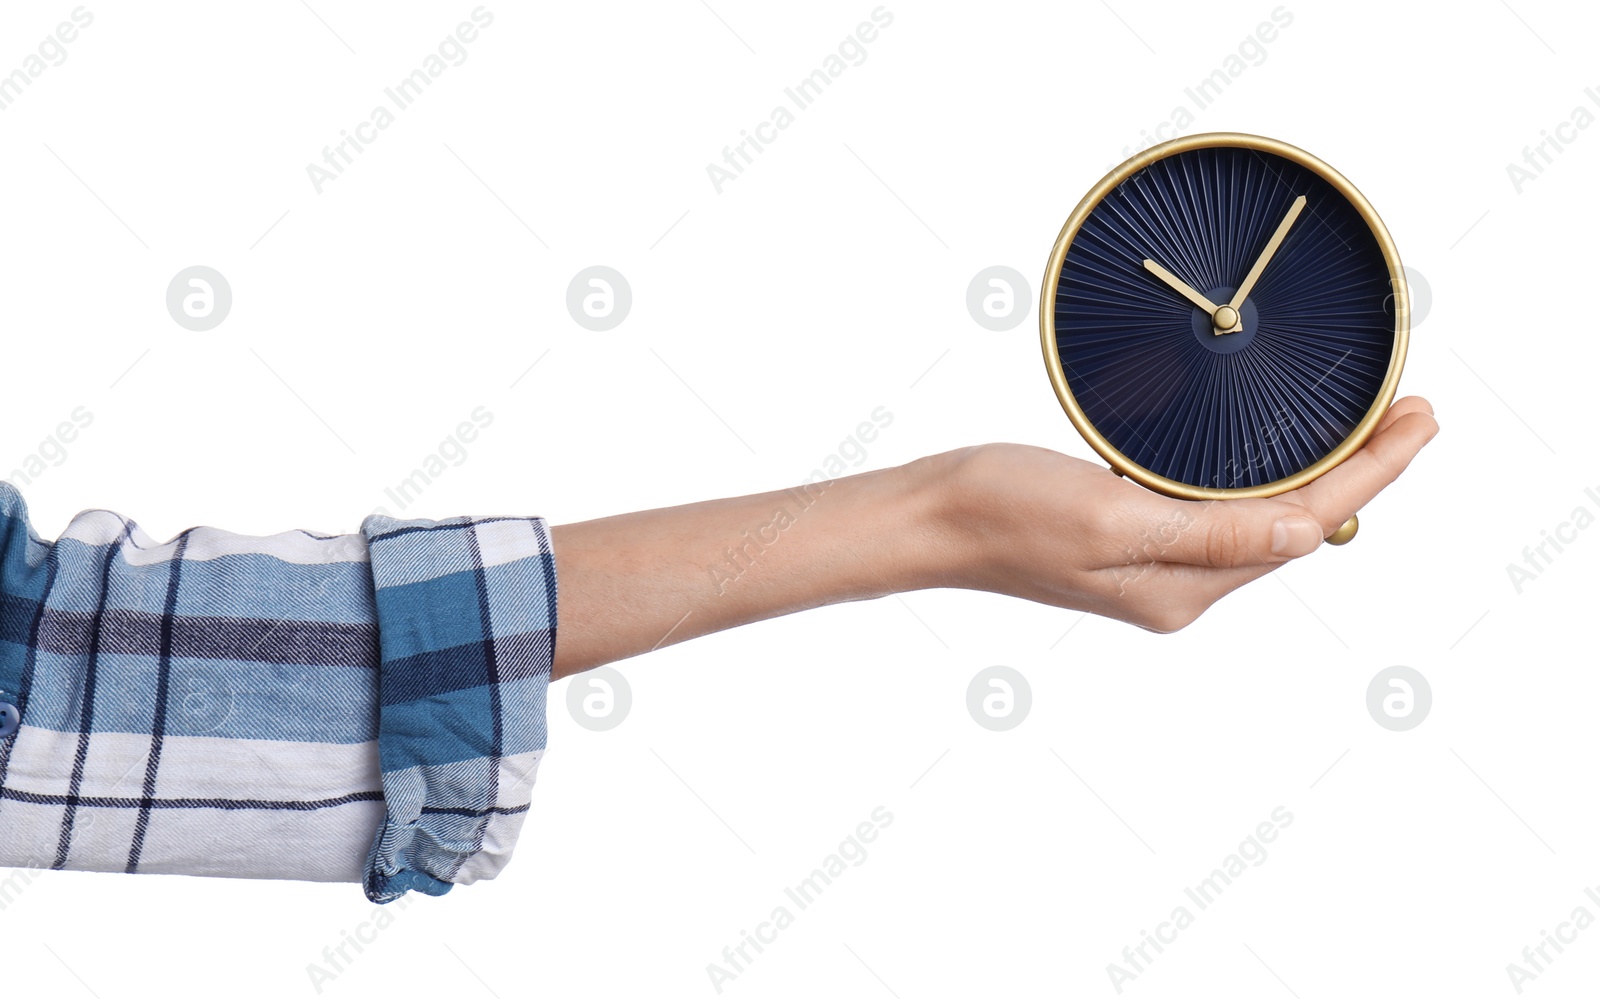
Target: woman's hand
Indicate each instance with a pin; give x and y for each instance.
(1003, 517)
(1032, 523)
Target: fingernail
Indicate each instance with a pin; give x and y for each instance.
(1293, 537)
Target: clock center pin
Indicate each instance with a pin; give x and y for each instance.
(1228, 330)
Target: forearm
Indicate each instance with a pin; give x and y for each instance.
(1008, 518)
(639, 581)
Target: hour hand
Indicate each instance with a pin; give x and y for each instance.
(1176, 284)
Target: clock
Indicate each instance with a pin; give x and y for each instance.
(1223, 316)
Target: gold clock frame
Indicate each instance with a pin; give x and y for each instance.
(1120, 462)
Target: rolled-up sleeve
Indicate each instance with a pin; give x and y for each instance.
(365, 707)
(466, 613)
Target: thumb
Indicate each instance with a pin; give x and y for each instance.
(1227, 534)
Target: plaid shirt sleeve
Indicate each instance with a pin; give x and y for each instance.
(366, 707)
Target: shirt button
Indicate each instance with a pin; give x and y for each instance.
(10, 719)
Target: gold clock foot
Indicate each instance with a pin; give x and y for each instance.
(1346, 531)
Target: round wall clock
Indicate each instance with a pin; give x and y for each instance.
(1224, 315)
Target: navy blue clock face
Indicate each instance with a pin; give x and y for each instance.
(1224, 317)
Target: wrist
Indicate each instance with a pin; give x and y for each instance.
(938, 522)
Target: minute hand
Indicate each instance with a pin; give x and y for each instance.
(1266, 254)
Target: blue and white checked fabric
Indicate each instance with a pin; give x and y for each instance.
(365, 707)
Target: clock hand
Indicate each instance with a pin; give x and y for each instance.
(1266, 254)
(1177, 285)
(1224, 318)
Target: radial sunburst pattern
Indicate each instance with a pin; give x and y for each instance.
(1242, 409)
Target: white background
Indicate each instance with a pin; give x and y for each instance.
(768, 320)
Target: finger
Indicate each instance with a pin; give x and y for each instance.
(1410, 404)
(1226, 534)
(1209, 556)
(1335, 496)
(1229, 534)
